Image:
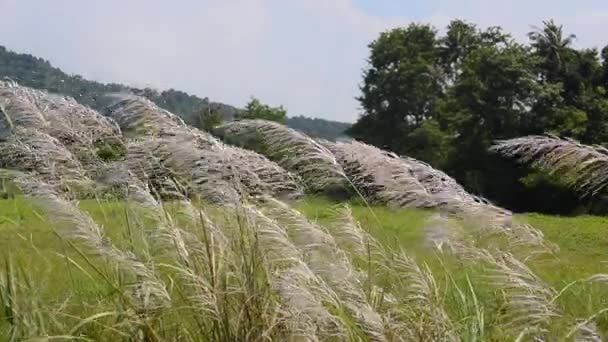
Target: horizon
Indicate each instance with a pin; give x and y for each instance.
(307, 57)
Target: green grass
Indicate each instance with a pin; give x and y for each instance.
(582, 242)
(56, 277)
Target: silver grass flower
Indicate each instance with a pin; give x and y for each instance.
(59, 116)
(140, 115)
(292, 150)
(326, 259)
(303, 292)
(30, 150)
(583, 167)
(380, 175)
(528, 299)
(117, 175)
(149, 292)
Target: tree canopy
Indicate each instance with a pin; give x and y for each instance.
(258, 110)
(444, 98)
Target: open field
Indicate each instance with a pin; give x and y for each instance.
(51, 285)
(134, 226)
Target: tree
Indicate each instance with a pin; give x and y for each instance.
(446, 99)
(257, 110)
(550, 43)
(209, 118)
(400, 87)
(605, 66)
(461, 37)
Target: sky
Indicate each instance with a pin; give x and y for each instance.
(307, 55)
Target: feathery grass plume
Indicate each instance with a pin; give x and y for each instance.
(384, 177)
(195, 156)
(294, 151)
(84, 132)
(30, 150)
(141, 116)
(528, 299)
(528, 302)
(348, 233)
(380, 175)
(586, 332)
(148, 292)
(18, 107)
(469, 240)
(326, 259)
(174, 166)
(280, 183)
(201, 139)
(417, 305)
(208, 172)
(407, 297)
(143, 161)
(528, 306)
(60, 114)
(304, 294)
(438, 182)
(218, 172)
(224, 287)
(6, 124)
(118, 177)
(582, 167)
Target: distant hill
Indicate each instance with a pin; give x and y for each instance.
(318, 128)
(38, 73)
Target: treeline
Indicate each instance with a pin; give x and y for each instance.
(318, 128)
(38, 73)
(445, 98)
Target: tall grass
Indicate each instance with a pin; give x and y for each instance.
(199, 247)
(262, 271)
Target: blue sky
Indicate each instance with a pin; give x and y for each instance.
(305, 54)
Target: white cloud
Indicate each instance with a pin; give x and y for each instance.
(305, 54)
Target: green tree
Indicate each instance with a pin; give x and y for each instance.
(400, 87)
(209, 118)
(550, 43)
(446, 99)
(489, 101)
(257, 110)
(461, 37)
(604, 77)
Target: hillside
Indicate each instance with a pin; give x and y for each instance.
(318, 128)
(38, 73)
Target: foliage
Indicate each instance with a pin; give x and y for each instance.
(257, 110)
(110, 150)
(445, 98)
(208, 119)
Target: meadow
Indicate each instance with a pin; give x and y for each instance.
(54, 287)
(133, 226)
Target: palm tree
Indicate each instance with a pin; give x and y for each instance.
(550, 43)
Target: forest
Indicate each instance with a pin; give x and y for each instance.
(446, 98)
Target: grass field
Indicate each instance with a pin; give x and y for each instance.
(51, 285)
